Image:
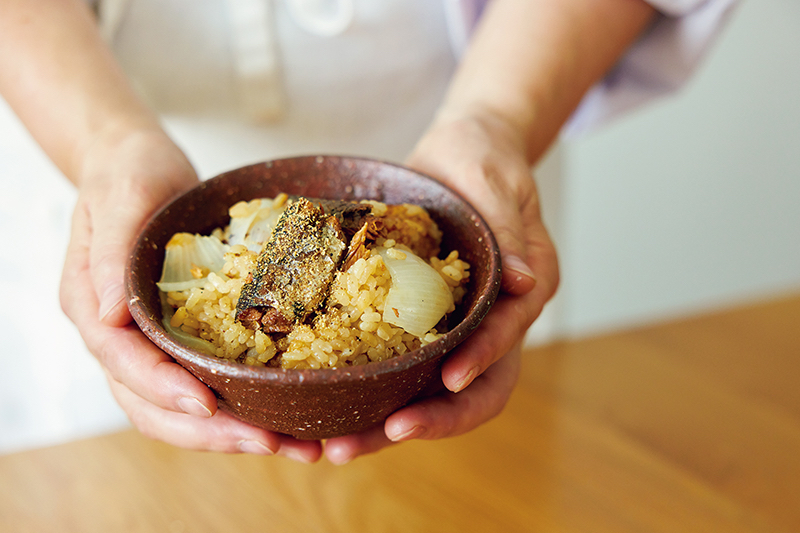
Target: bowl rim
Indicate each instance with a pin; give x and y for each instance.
(151, 324)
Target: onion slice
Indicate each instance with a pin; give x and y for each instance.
(189, 259)
(419, 297)
(238, 228)
(254, 228)
(181, 336)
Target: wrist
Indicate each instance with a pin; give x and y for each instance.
(486, 121)
(99, 149)
(136, 156)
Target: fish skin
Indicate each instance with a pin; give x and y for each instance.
(350, 214)
(294, 270)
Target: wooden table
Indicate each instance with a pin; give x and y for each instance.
(682, 427)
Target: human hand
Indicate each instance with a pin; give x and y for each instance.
(483, 159)
(124, 179)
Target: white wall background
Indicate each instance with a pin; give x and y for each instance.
(692, 203)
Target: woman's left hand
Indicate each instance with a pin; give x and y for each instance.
(484, 160)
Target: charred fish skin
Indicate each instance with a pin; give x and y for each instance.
(351, 214)
(294, 271)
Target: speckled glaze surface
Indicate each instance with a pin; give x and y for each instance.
(317, 404)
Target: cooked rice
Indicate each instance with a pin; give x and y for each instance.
(351, 331)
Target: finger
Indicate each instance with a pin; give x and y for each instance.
(342, 450)
(130, 357)
(75, 260)
(114, 226)
(499, 332)
(490, 194)
(540, 252)
(121, 193)
(449, 414)
(221, 433)
(510, 318)
(105, 271)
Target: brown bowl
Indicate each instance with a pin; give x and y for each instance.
(316, 404)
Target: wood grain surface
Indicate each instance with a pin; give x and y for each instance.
(688, 426)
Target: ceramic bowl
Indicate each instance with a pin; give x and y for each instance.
(325, 403)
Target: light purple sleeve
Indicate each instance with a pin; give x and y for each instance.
(660, 62)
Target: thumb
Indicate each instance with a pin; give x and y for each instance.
(126, 180)
(113, 234)
(517, 276)
(506, 220)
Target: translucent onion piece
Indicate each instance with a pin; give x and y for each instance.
(185, 254)
(261, 229)
(185, 338)
(238, 228)
(256, 228)
(419, 297)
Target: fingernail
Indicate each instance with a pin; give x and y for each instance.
(465, 380)
(295, 455)
(338, 459)
(193, 406)
(519, 268)
(413, 433)
(255, 447)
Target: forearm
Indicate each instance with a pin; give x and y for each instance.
(531, 62)
(62, 81)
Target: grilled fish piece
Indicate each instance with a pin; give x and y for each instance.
(294, 271)
(351, 215)
(371, 228)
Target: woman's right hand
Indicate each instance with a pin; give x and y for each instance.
(124, 179)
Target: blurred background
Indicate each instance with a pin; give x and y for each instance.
(686, 206)
(692, 203)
